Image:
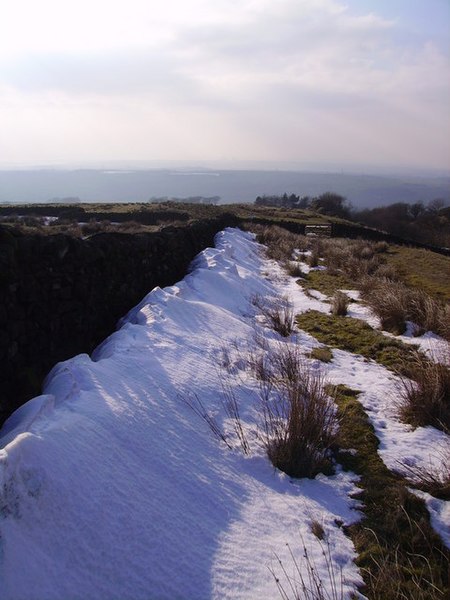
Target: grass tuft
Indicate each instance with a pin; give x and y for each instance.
(339, 304)
(299, 423)
(278, 312)
(425, 399)
(322, 353)
(394, 304)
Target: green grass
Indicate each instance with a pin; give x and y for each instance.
(398, 552)
(357, 337)
(327, 283)
(422, 269)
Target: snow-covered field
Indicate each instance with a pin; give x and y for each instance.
(113, 488)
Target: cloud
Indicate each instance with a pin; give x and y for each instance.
(262, 73)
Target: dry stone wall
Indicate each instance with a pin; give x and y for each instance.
(60, 296)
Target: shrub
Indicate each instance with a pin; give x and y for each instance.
(339, 304)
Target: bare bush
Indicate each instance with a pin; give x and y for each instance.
(339, 304)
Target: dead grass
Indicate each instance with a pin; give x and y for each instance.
(317, 529)
(294, 269)
(425, 394)
(339, 304)
(278, 312)
(197, 406)
(394, 304)
(280, 243)
(299, 421)
(297, 583)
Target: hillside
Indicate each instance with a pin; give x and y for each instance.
(133, 476)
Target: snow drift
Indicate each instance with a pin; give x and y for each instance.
(111, 487)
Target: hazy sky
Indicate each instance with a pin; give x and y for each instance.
(312, 81)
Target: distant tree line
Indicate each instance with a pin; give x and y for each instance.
(328, 203)
(429, 224)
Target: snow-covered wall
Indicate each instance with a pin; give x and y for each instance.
(60, 296)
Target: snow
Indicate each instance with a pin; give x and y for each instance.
(114, 488)
(439, 514)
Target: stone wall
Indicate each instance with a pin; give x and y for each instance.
(60, 296)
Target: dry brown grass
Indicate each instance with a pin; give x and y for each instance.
(300, 580)
(394, 304)
(425, 394)
(294, 269)
(339, 304)
(299, 422)
(280, 243)
(278, 312)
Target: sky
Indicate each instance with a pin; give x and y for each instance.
(332, 82)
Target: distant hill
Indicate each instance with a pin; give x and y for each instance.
(89, 185)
